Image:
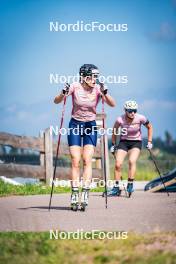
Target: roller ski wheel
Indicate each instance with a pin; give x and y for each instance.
(83, 207)
(130, 189)
(110, 195)
(75, 199)
(84, 199)
(129, 194)
(74, 207)
(115, 191)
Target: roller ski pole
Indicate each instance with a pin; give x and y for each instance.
(57, 152)
(156, 166)
(104, 152)
(124, 187)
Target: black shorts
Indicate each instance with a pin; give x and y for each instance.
(129, 144)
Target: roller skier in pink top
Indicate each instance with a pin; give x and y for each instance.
(130, 143)
(85, 97)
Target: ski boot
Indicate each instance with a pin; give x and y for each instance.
(130, 188)
(75, 199)
(115, 191)
(84, 199)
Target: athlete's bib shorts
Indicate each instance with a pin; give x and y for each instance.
(82, 133)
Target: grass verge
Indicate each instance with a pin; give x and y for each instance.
(7, 189)
(39, 248)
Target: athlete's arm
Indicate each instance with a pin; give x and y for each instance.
(65, 91)
(150, 131)
(104, 93)
(59, 98)
(109, 100)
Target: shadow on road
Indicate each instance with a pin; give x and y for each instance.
(65, 208)
(111, 197)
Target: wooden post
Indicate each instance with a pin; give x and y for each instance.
(102, 159)
(107, 158)
(100, 125)
(48, 156)
(98, 163)
(42, 153)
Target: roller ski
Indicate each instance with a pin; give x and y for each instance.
(115, 191)
(84, 199)
(130, 189)
(75, 199)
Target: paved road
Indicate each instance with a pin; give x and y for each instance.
(143, 212)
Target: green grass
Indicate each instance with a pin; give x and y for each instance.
(31, 248)
(7, 189)
(142, 174)
(28, 189)
(145, 169)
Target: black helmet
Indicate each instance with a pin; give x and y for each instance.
(88, 70)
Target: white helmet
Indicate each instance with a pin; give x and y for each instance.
(130, 105)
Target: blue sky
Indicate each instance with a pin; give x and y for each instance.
(29, 52)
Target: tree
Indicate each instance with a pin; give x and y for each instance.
(168, 139)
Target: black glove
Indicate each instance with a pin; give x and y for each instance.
(66, 89)
(113, 149)
(103, 88)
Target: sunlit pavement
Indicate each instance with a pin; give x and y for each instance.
(143, 212)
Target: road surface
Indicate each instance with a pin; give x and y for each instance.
(143, 212)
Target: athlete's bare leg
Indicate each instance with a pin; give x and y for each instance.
(119, 157)
(133, 156)
(75, 152)
(88, 151)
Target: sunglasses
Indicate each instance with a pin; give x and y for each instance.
(94, 76)
(131, 111)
